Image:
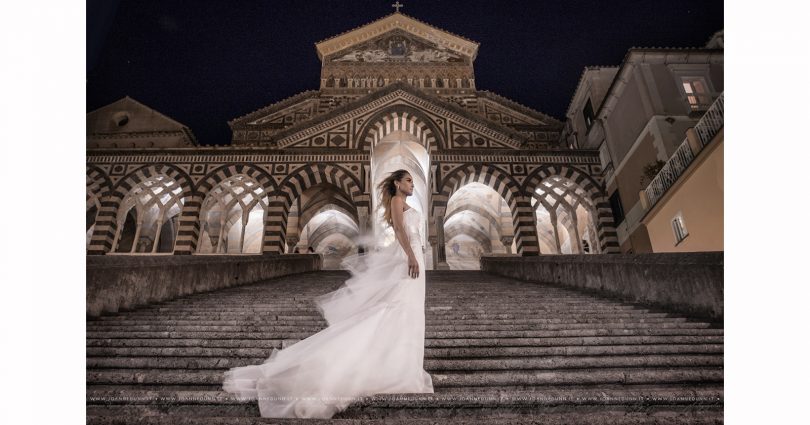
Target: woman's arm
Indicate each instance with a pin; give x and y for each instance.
(397, 216)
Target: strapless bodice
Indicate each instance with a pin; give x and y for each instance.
(413, 226)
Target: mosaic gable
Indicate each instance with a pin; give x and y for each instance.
(397, 46)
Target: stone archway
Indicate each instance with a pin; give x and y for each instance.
(603, 218)
(400, 118)
(293, 186)
(107, 228)
(503, 184)
(235, 185)
(401, 149)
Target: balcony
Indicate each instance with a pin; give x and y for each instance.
(709, 125)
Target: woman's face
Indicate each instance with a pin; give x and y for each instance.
(406, 185)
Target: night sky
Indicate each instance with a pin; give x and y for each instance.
(205, 62)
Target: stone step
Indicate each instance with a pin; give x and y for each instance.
(201, 320)
(231, 301)
(493, 309)
(274, 327)
(605, 415)
(601, 376)
(454, 335)
(429, 316)
(519, 363)
(547, 397)
(459, 352)
(429, 342)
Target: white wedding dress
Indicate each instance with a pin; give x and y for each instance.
(374, 343)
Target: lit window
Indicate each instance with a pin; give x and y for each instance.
(679, 228)
(696, 92)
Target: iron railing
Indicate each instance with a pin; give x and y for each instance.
(669, 173)
(711, 122)
(708, 127)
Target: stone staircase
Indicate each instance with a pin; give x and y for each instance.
(499, 351)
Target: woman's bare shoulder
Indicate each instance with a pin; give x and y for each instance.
(396, 201)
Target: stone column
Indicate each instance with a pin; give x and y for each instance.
(554, 223)
(275, 226)
(526, 231)
(221, 235)
(434, 251)
(442, 255)
(188, 226)
(507, 243)
(105, 233)
(119, 226)
(292, 241)
(138, 227)
(159, 226)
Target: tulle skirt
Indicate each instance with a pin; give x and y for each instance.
(374, 344)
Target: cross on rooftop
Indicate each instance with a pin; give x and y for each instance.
(397, 5)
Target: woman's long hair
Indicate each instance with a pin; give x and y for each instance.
(387, 190)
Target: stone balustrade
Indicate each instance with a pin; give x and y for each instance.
(688, 283)
(118, 282)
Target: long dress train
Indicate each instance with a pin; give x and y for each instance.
(374, 342)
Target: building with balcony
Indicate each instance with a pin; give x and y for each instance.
(637, 115)
(684, 202)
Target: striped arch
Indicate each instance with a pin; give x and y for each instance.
(478, 234)
(400, 118)
(606, 228)
(275, 230)
(97, 189)
(190, 221)
(326, 230)
(509, 189)
(106, 225)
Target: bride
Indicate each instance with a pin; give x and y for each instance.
(375, 340)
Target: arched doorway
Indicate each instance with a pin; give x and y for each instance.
(401, 150)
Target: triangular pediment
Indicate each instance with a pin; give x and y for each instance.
(397, 37)
(343, 127)
(129, 123)
(129, 115)
(397, 46)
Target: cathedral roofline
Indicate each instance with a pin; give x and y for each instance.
(277, 106)
(399, 20)
(122, 103)
(403, 86)
(518, 106)
(127, 98)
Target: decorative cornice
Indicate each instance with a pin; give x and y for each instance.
(359, 157)
(509, 103)
(275, 107)
(234, 156)
(399, 20)
(390, 93)
(135, 135)
(536, 157)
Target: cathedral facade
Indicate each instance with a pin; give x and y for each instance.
(492, 176)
